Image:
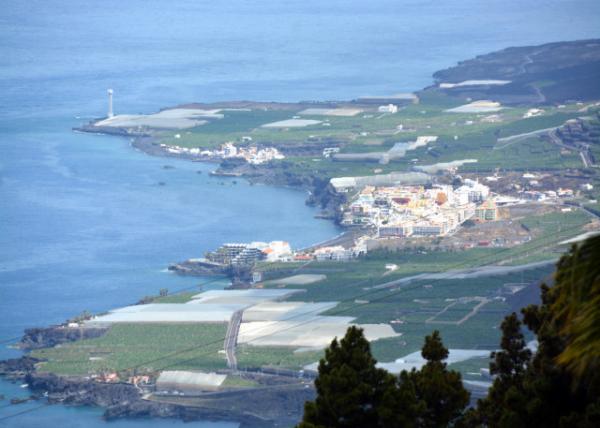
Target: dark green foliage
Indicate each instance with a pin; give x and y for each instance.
(576, 306)
(352, 392)
(541, 390)
(350, 388)
(401, 408)
(505, 401)
(509, 363)
(440, 389)
(557, 387)
(433, 349)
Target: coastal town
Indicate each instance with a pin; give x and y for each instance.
(399, 217)
(449, 207)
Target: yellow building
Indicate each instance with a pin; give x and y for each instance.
(487, 211)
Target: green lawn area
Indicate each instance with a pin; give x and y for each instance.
(175, 298)
(232, 381)
(145, 347)
(274, 356)
(455, 312)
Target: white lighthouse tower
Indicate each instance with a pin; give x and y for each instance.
(110, 105)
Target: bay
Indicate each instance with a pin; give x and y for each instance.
(84, 220)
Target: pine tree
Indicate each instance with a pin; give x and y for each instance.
(577, 306)
(441, 390)
(400, 407)
(350, 389)
(503, 407)
(559, 386)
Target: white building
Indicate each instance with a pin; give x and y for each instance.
(277, 251)
(336, 253)
(475, 191)
(328, 151)
(389, 108)
(403, 229)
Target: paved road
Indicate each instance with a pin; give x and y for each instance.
(584, 150)
(518, 137)
(477, 272)
(231, 339)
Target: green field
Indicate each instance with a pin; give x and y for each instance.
(175, 298)
(232, 381)
(410, 305)
(352, 279)
(407, 306)
(140, 347)
(461, 136)
(274, 356)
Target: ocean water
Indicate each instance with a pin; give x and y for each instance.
(84, 223)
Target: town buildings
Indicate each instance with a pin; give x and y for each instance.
(487, 211)
(407, 211)
(251, 154)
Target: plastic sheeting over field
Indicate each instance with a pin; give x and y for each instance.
(210, 306)
(266, 321)
(159, 313)
(416, 360)
(188, 381)
(178, 118)
(316, 332)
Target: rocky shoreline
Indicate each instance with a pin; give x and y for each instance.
(36, 338)
(251, 407)
(320, 193)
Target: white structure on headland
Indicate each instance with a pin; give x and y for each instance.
(389, 108)
(110, 105)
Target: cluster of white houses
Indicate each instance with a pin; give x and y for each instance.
(413, 211)
(251, 154)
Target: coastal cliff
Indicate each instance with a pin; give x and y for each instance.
(36, 338)
(252, 407)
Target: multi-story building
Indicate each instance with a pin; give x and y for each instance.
(487, 211)
(403, 211)
(404, 229)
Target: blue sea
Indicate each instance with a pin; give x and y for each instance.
(84, 223)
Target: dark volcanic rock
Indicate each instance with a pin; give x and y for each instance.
(82, 391)
(17, 366)
(36, 338)
(151, 409)
(569, 70)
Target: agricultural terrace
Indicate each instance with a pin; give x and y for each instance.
(141, 347)
(460, 136)
(465, 300)
(467, 303)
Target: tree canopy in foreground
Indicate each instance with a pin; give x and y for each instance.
(558, 385)
(353, 392)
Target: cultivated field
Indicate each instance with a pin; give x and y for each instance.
(142, 348)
